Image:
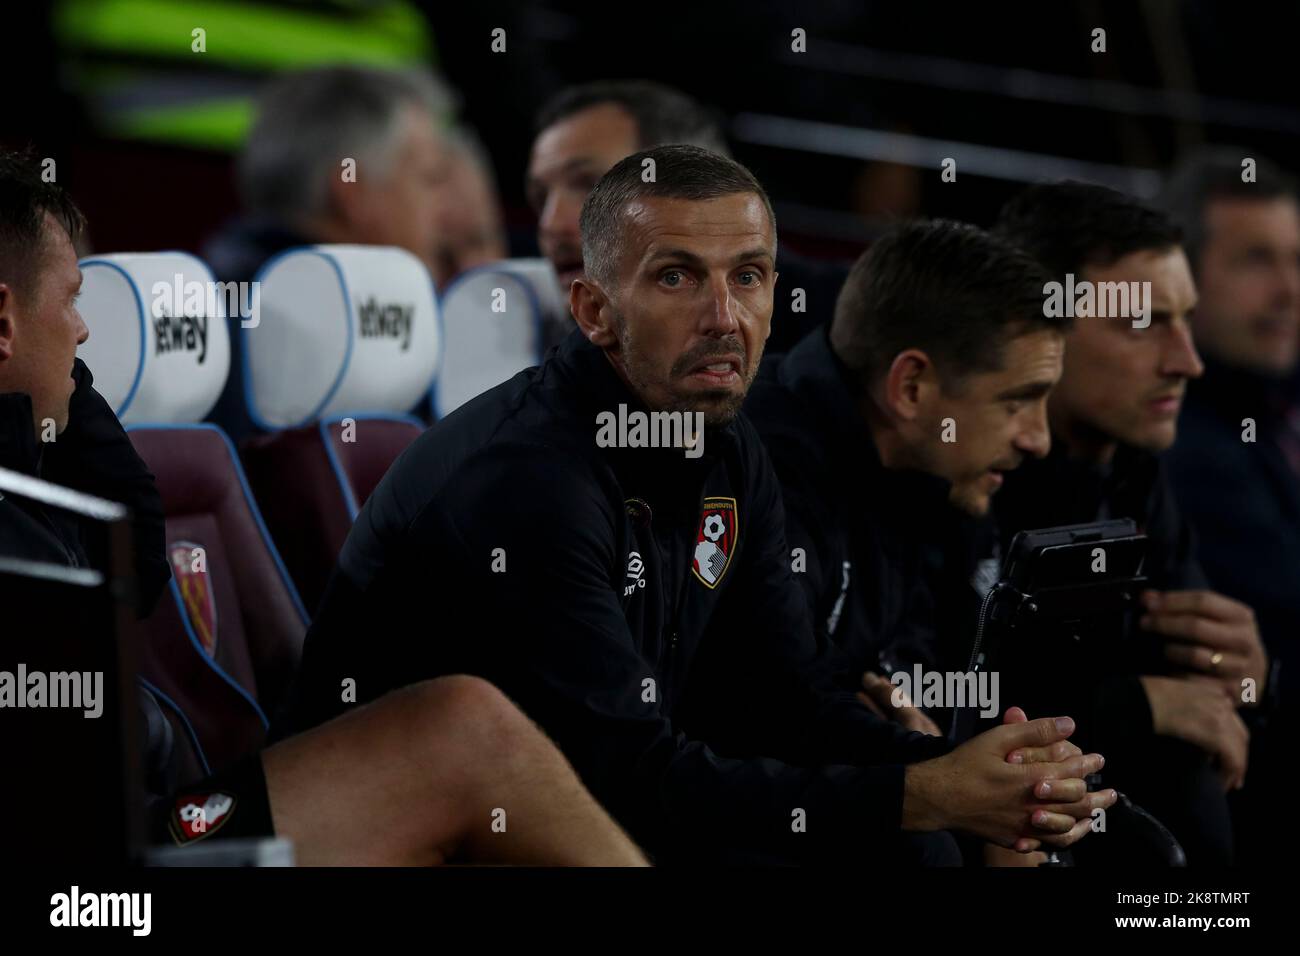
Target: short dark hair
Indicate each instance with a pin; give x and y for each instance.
(950, 289)
(1215, 173)
(681, 172)
(25, 198)
(1069, 225)
(663, 115)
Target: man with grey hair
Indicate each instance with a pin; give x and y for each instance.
(340, 154)
(636, 600)
(584, 130)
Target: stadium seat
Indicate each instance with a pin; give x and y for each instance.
(218, 657)
(492, 319)
(552, 301)
(348, 339)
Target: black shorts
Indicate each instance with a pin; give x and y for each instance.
(229, 805)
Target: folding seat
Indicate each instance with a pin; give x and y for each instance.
(552, 300)
(492, 318)
(347, 339)
(219, 655)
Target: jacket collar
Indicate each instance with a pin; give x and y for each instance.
(19, 449)
(814, 373)
(1061, 489)
(1237, 393)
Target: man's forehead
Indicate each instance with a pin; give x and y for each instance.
(1248, 219)
(56, 244)
(1031, 355)
(596, 137)
(1167, 270)
(420, 134)
(660, 224)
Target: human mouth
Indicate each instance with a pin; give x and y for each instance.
(717, 372)
(1167, 405)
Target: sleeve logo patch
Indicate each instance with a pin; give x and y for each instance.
(715, 542)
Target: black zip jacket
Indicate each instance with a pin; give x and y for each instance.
(1244, 499)
(504, 543)
(92, 455)
(27, 530)
(873, 538)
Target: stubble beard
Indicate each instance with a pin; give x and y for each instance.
(719, 406)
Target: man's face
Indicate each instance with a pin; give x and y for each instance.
(1126, 384)
(1249, 282)
(41, 328)
(692, 304)
(400, 207)
(567, 160)
(997, 419)
(468, 221)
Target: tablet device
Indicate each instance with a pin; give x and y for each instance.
(1058, 621)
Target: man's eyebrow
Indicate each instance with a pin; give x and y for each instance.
(685, 255)
(1164, 311)
(574, 165)
(674, 253)
(1029, 390)
(757, 253)
(1257, 247)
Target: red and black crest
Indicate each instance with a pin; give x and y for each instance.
(196, 815)
(715, 542)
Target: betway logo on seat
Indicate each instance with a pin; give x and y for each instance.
(392, 321)
(180, 333)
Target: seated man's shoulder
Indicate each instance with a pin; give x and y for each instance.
(524, 484)
(772, 405)
(783, 424)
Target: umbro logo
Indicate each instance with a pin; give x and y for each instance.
(635, 568)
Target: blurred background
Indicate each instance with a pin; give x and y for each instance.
(844, 135)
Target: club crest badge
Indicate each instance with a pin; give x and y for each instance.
(195, 816)
(715, 542)
(189, 568)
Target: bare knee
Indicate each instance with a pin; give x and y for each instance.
(470, 716)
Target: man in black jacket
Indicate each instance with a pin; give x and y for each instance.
(602, 538)
(1114, 410)
(890, 431)
(53, 424)
(1236, 465)
(412, 779)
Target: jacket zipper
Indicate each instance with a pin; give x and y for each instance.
(679, 602)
